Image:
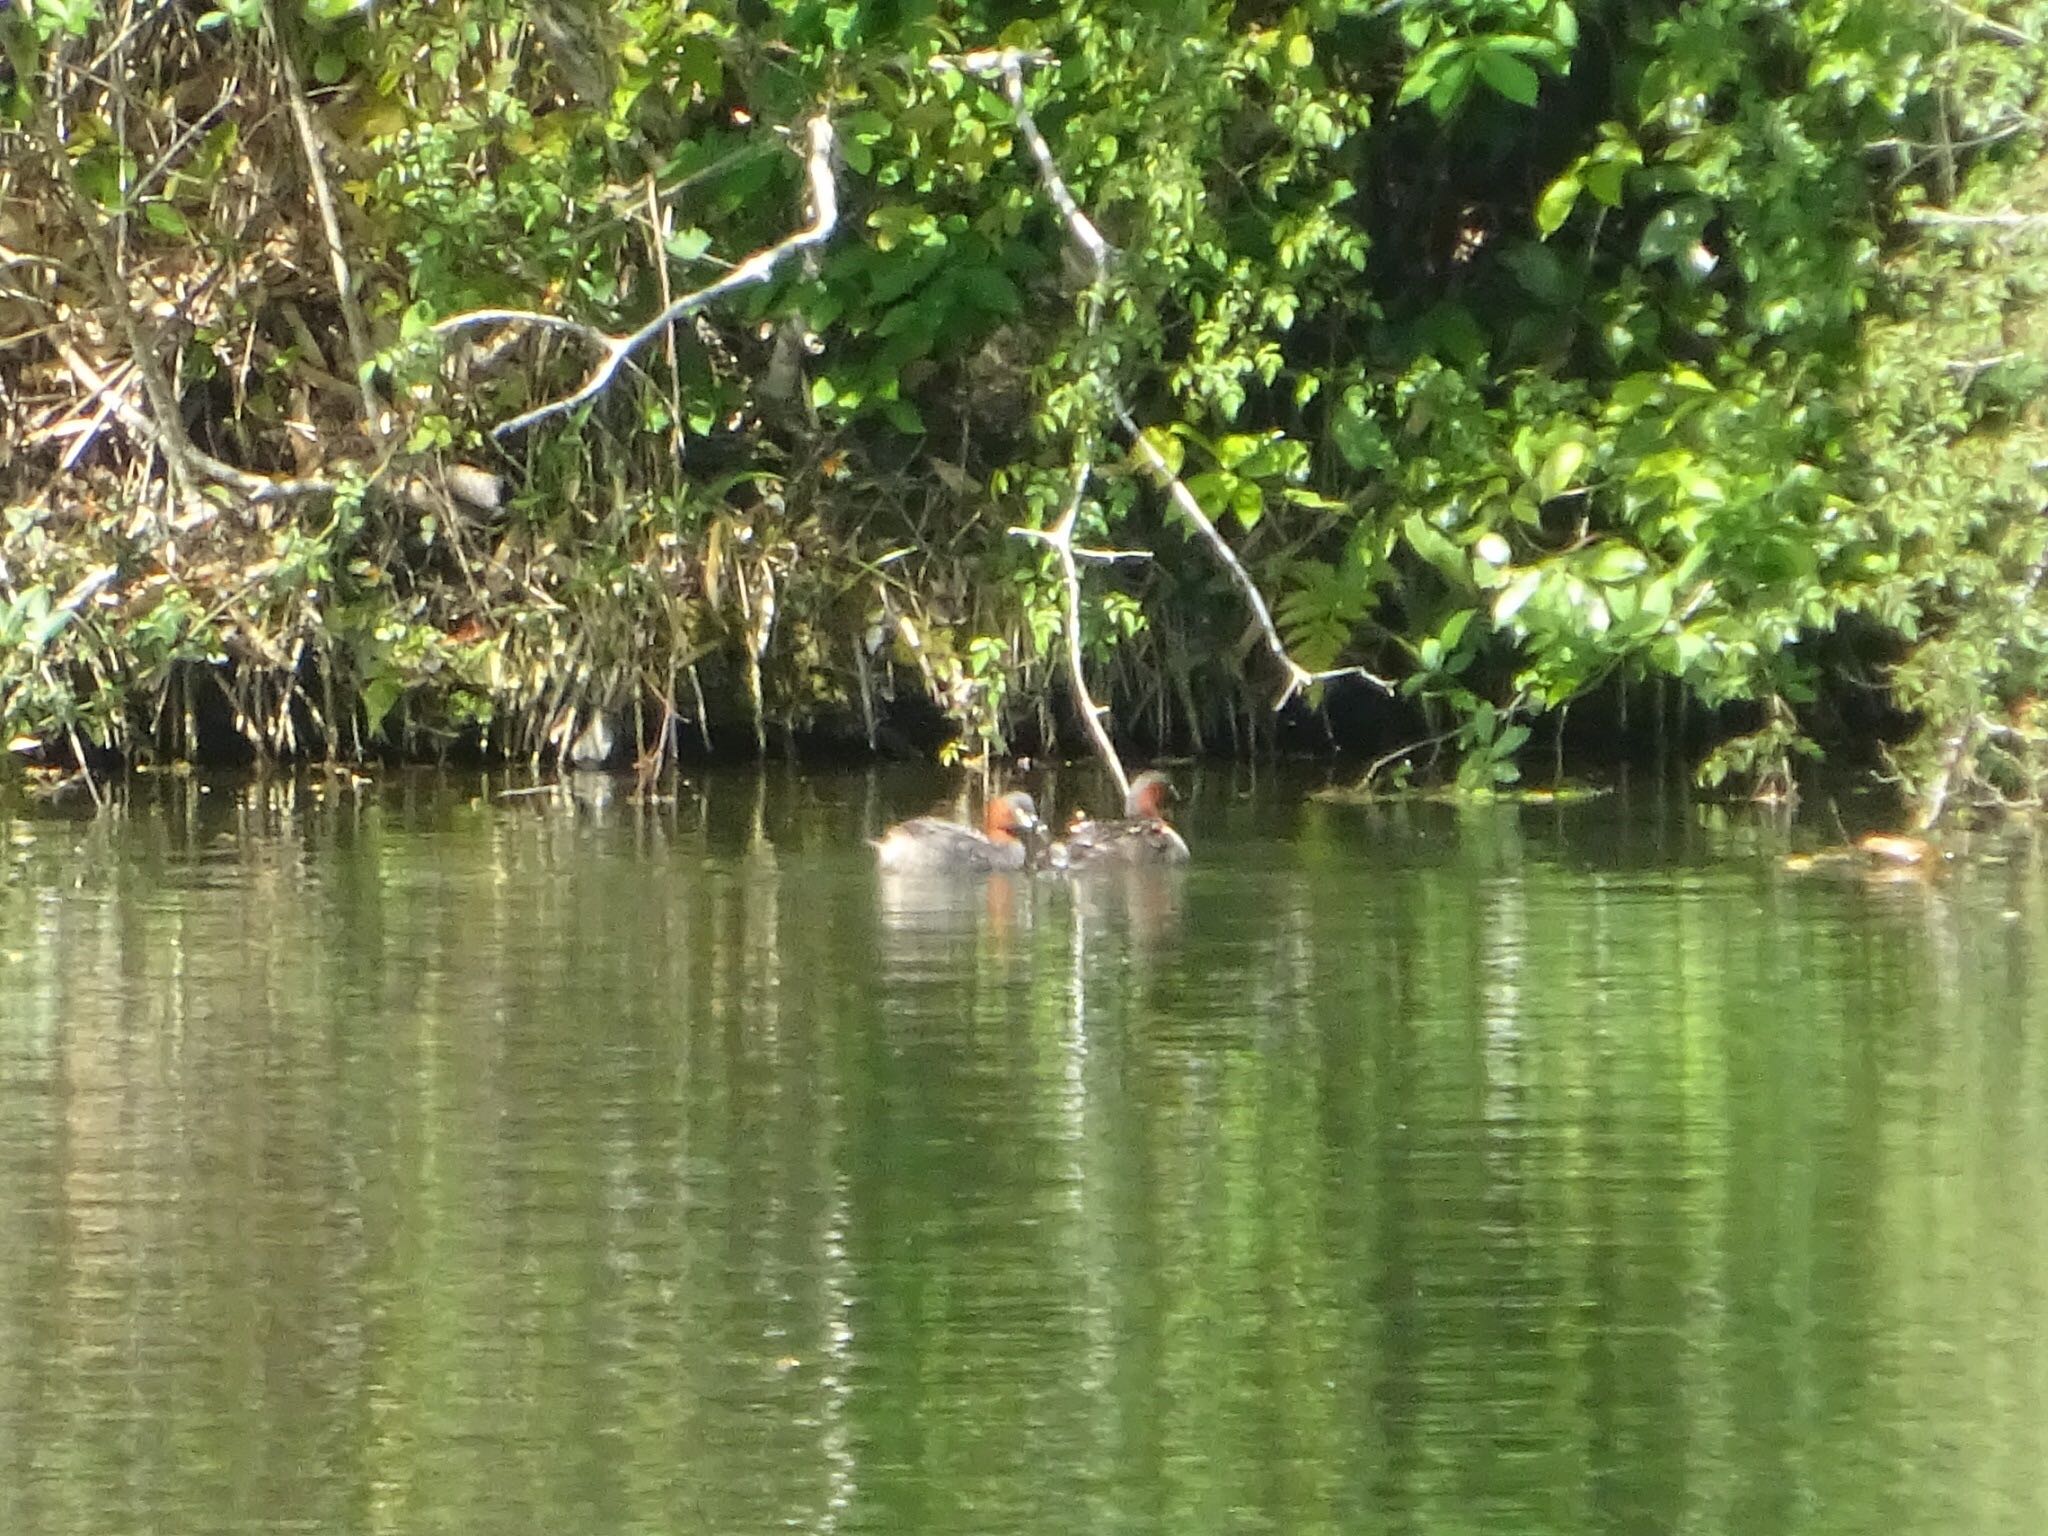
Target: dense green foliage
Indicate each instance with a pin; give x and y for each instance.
(1528, 352)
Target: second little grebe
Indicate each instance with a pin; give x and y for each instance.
(930, 845)
(1143, 836)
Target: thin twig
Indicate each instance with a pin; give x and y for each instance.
(1298, 676)
(614, 351)
(161, 424)
(258, 488)
(330, 225)
(186, 135)
(1985, 24)
(1388, 759)
(1083, 551)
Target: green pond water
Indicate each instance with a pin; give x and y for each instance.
(405, 1159)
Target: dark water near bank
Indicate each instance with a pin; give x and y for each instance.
(397, 1159)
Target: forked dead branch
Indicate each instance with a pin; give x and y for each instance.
(1009, 65)
(615, 351)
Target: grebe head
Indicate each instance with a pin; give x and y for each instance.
(1009, 814)
(1150, 791)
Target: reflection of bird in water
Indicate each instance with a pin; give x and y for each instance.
(1142, 836)
(1879, 856)
(929, 845)
(1142, 899)
(945, 904)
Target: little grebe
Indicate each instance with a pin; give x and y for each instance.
(1141, 837)
(929, 845)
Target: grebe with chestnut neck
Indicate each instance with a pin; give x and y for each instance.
(1142, 836)
(932, 845)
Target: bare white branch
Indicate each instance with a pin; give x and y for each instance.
(1298, 677)
(1085, 235)
(1084, 551)
(992, 61)
(615, 351)
(1941, 218)
(1061, 537)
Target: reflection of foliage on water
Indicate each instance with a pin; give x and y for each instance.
(1565, 1168)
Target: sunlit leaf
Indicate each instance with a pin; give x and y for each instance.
(165, 219)
(1439, 551)
(1555, 205)
(1508, 75)
(1560, 468)
(687, 244)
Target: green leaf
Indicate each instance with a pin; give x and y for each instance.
(1555, 205)
(687, 244)
(698, 63)
(1233, 448)
(1508, 75)
(1166, 445)
(1515, 595)
(1249, 504)
(1356, 432)
(1559, 469)
(380, 696)
(1439, 551)
(1521, 43)
(1603, 179)
(1616, 562)
(915, 316)
(102, 175)
(1301, 50)
(1424, 73)
(45, 629)
(1540, 272)
(165, 219)
(990, 289)
(1213, 491)
(1451, 86)
(1634, 392)
(1452, 333)
(1674, 229)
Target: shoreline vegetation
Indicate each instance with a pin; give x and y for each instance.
(1467, 386)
